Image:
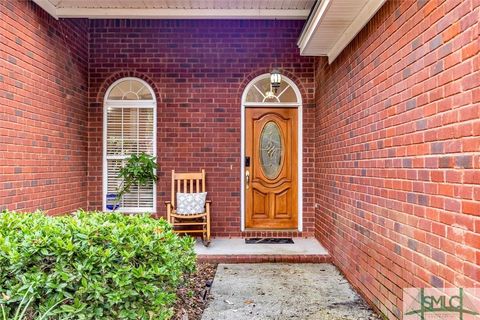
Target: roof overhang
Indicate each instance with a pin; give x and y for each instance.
(333, 24)
(177, 9)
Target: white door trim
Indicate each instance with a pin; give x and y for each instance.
(299, 107)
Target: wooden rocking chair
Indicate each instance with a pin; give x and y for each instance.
(189, 223)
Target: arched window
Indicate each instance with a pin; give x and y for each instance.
(261, 91)
(129, 128)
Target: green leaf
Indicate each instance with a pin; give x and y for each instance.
(138, 170)
(98, 265)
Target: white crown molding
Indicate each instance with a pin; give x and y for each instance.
(313, 22)
(159, 13)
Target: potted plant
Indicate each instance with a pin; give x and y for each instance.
(138, 170)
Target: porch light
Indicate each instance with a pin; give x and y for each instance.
(275, 79)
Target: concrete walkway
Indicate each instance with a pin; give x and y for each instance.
(283, 291)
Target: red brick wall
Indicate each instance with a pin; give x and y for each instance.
(198, 69)
(398, 151)
(43, 110)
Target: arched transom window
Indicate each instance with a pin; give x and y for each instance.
(129, 128)
(261, 91)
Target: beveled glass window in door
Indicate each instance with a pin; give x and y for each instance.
(261, 91)
(271, 150)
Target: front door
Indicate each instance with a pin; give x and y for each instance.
(271, 171)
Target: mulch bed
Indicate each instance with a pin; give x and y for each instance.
(194, 296)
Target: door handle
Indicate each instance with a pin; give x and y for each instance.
(247, 179)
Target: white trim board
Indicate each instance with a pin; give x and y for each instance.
(318, 13)
(48, 7)
(299, 106)
(360, 21)
(314, 40)
(170, 13)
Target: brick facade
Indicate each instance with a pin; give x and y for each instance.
(198, 69)
(43, 110)
(398, 151)
(391, 128)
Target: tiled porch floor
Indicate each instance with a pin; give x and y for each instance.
(237, 246)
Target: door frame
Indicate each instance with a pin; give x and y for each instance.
(299, 106)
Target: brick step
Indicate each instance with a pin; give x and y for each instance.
(262, 258)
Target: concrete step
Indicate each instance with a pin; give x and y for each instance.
(235, 250)
(265, 258)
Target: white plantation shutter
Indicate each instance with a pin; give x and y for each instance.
(129, 128)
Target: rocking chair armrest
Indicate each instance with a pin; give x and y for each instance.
(208, 203)
(168, 203)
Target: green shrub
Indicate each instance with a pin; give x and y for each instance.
(102, 265)
(23, 311)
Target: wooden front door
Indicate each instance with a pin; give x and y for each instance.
(271, 168)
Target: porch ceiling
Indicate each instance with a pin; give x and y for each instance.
(178, 9)
(333, 24)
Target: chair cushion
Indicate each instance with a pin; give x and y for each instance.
(190, 203)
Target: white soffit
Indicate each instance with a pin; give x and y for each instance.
(333, 24)
(178, 9)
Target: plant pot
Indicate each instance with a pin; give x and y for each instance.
(112, 203)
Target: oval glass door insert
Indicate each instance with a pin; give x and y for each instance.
(271, 150)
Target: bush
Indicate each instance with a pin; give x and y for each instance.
(104, 265)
